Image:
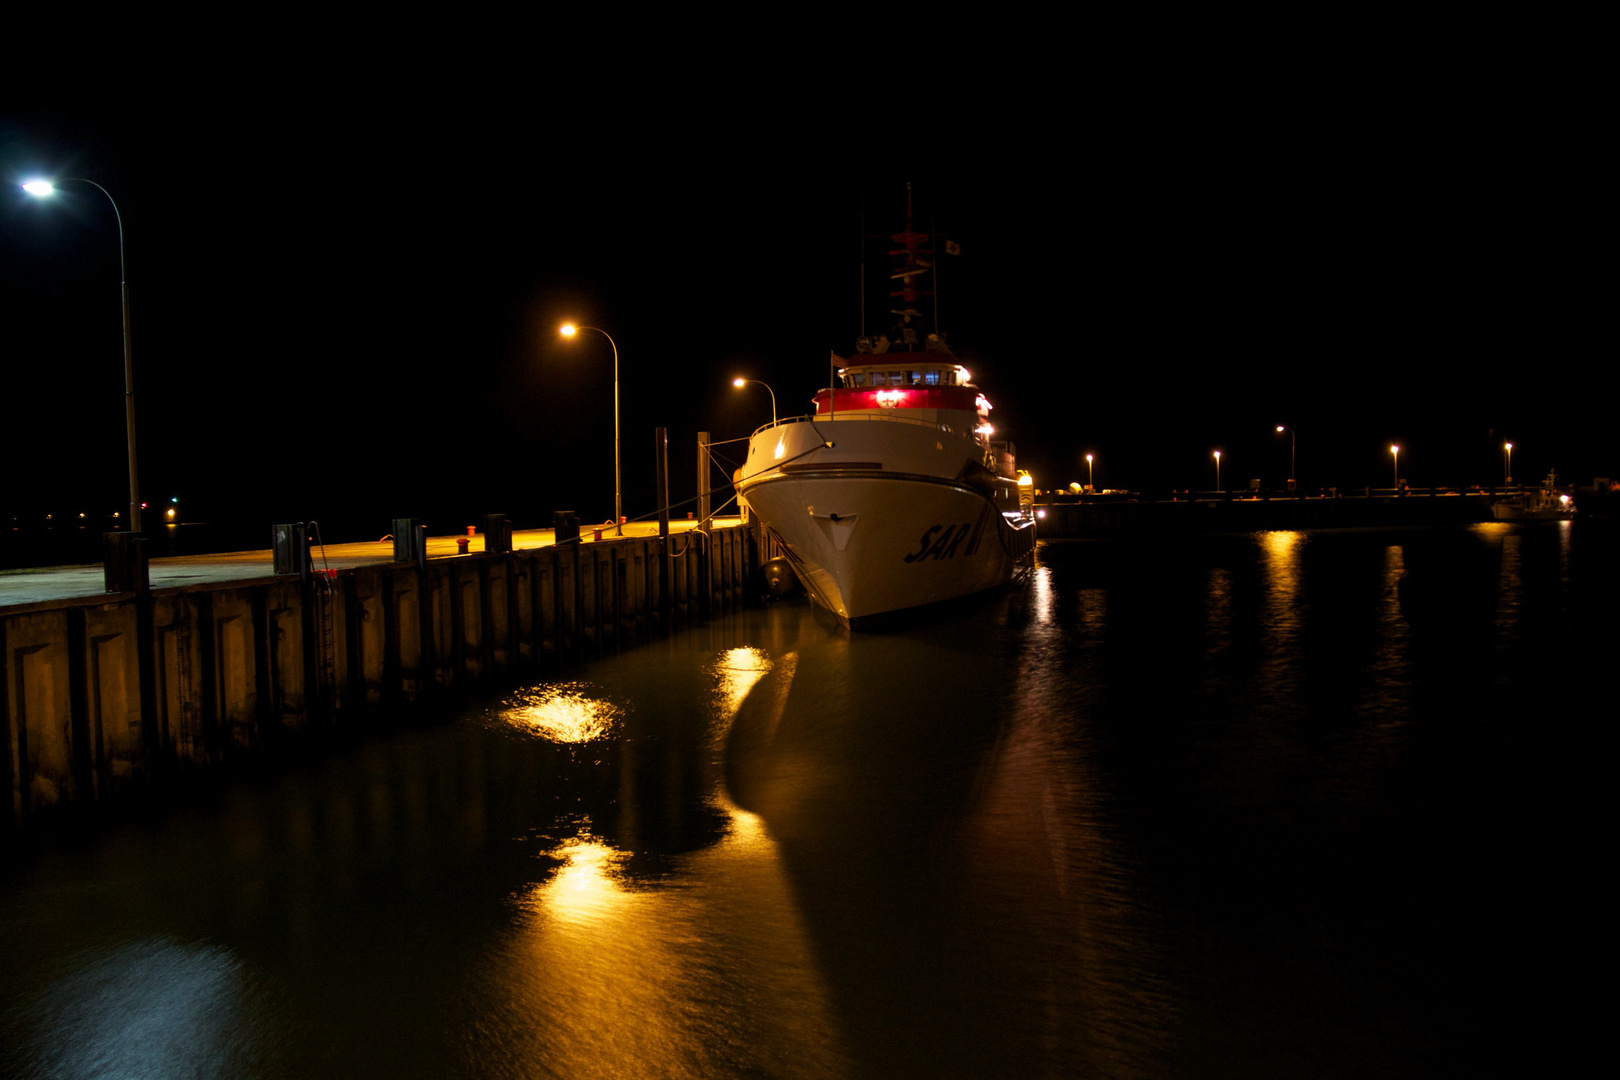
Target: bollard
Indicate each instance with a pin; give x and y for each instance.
(461, 544)
(596, 534)
(472, 530)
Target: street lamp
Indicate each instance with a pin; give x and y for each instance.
(1091, 478)
(741, 382)
(568, 330)
(44, 189)
(1217, 472)
(1507, 471)
(1395, 454)
(1293, 451)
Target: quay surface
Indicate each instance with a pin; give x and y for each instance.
(34, 585)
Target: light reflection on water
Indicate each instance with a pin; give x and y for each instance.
(608, 973)
(1231, 807)
(564, 713)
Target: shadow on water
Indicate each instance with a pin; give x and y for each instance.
(927, 788)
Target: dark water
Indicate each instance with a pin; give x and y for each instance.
(1280, 805)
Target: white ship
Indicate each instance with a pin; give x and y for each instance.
(892, 495)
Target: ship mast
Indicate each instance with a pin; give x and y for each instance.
(912, 261)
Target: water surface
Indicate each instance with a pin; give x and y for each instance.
(1281, 804)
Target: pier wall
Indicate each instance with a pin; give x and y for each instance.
(104, 695)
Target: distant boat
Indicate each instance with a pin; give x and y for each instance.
(1545, 503)
(893, 494)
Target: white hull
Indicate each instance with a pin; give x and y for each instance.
(868, 535)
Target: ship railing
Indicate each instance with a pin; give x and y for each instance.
(884, 417)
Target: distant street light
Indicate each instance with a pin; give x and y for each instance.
(568, 330)
(1091, 479)
(1293, 451)
(1217, 472)
(1395, 453)
(1507, 470)
(44, 189)
(740, 382)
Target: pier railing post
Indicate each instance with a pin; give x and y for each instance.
(661, 474)
(124, 566)
(410, 541)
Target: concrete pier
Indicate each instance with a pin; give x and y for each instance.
(103, 693)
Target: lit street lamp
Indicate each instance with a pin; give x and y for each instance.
(1217, 472)
(1395, 453)
(1507, 470)
(741, 382)
(1091, 479)
(1293, 452)
(42, 189)
(569, 330)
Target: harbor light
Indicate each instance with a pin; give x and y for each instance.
(569, 330)
(41, 188)
(739, 382)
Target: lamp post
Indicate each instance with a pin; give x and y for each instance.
(1507, 470)
(43, 189)
(741, 382)
(1217, 472)
(1293, 452)
(1395, 455)
(1091, 478)
(569, 330)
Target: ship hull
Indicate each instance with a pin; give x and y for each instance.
(870, 544)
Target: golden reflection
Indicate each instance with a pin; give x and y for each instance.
(736, 672)
(1042, 593)
(1282, 564)
(608, 968)
(564, 712)
(589, 884)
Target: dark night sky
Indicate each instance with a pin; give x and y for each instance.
(347, 311)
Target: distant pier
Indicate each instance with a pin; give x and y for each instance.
(1120, 514)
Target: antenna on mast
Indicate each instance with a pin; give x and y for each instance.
(912, 261)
